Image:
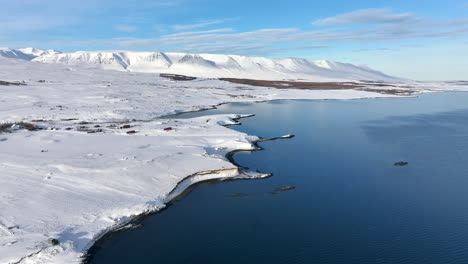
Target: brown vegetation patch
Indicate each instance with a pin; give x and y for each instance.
(10, 127)
(177, 77)
(364, 86)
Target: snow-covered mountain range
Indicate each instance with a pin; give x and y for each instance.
(38, 52)
(207, 65)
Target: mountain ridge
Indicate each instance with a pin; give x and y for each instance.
(207, 65)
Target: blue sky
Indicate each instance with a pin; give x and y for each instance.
(426, 40)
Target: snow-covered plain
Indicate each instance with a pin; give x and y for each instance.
(74, 186)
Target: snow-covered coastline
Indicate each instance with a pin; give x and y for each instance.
(84, 174)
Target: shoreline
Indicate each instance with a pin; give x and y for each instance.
(128, 219)
(176, 194)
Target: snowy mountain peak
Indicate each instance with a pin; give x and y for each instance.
(15, 54)
(38, 52)
(194, 59)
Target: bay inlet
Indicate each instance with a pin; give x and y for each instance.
(336, 195)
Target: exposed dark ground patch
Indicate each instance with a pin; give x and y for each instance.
(177, 77)
(12, 83)
(7, 127)
(364, 86)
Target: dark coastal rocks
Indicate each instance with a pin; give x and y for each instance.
(401, 163)
(238, 194)
(275, 138)
(275, 191)
(53, 241)
(284, 188)
(168, 129)
(131, 132)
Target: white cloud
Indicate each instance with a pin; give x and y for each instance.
(189, 33)
(197, 25)
(125, 28)
(365, 16)
(380, 25)
(270, 41)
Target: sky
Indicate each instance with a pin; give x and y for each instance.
(422, 40)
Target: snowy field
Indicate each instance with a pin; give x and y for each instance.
(104, 155)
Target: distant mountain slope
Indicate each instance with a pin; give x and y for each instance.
(15, 54)
(212, 65)
(38, 52)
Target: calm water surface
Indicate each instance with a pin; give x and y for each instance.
(351, 205)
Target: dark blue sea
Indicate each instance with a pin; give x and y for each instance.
(350, 205)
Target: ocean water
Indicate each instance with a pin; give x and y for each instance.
(351, 203)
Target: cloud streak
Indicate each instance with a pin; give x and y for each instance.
(197, 25)
(267, 41)
(365, 16)
(189, 33)
(369, 26)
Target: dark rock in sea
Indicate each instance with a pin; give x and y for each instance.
(238, 195)
(131, 132)
(53, 241)
(401, 163)
(168, 129)
(284, 188)
(125, 127)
